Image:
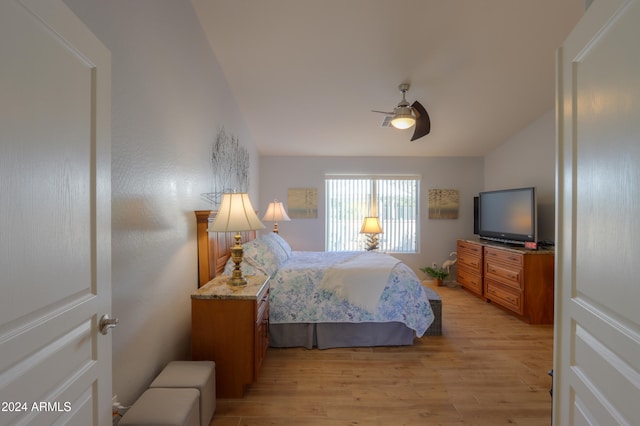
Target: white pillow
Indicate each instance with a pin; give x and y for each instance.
(280, 241)
(262, 256)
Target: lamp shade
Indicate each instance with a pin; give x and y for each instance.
(371, 225)
(275, 212)
(236, 214)
(403, 118)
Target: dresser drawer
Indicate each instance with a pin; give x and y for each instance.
(262, 304)
(470, 280)
(261, 342)
(504, 296)
(470, 256)
(501, 255)
(470, 261)
(262, 328)
(506, 274)
(470, 248)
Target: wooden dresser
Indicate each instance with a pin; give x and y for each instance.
(519, 280)
(231, 327)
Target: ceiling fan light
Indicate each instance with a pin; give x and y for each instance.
(403, 119)
(403, 122)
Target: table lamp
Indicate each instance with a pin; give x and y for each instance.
(275, 213)
(236, 215)
(371, 227)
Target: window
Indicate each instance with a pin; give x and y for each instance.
(394, 199)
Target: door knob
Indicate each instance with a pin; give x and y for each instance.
(107, 323)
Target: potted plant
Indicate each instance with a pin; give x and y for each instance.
(437, 273)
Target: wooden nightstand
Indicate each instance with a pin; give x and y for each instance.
(231, 327)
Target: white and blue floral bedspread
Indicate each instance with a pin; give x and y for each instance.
(297, 298)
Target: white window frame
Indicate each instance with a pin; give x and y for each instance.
(365, 196)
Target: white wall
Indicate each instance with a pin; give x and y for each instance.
(528, 159)
(438, 237)
(169, 100)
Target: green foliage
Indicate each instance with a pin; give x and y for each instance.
(437, 272)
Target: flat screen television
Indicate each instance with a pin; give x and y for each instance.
(508, 216)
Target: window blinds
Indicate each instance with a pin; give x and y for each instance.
(394, 199)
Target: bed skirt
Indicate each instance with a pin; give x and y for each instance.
(344, 335)
(339, 335)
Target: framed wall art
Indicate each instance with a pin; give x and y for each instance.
(443, 203)
(302, 203)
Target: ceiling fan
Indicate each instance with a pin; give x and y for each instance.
(405, 116)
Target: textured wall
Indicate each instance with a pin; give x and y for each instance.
(169, 100)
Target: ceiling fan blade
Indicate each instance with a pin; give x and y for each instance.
(423, 122)
(382, 112)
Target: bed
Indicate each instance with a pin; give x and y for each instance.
(317, 300)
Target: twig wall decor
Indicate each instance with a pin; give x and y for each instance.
(230, 163)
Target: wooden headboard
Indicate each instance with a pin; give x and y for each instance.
(214, 248)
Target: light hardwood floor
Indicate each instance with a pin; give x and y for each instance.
(488, 368)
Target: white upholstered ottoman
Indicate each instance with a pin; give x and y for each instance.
(200, 375)
(164, 406)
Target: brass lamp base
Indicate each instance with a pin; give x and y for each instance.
(237, 280)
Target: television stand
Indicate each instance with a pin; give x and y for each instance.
(518, 280)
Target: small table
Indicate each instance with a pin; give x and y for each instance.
(230, 326)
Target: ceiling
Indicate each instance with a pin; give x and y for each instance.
(307, 73)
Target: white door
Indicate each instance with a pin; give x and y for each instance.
(597, 352)
(55, 253)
